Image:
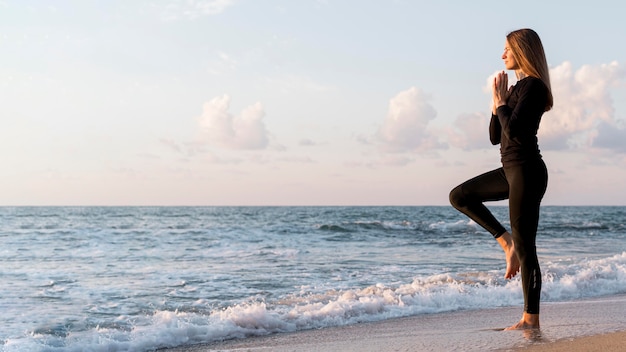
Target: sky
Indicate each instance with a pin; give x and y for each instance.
(283, 102)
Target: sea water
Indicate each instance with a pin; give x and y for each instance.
(142, 278)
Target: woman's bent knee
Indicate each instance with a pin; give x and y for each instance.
(456, 197)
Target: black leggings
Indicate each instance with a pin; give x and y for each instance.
(524, 185)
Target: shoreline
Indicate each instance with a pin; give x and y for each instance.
(580, 325)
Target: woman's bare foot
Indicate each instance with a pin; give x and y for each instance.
(528, 321)
(512, 262)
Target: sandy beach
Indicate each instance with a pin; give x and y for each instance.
(587, 325)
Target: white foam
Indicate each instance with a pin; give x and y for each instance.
(587, 278)
(456, 225)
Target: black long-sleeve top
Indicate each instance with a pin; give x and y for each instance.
(515, 124)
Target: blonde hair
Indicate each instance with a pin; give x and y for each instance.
(528, 52)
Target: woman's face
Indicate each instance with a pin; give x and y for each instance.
(507, 56)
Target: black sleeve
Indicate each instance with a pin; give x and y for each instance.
(528, 109)
(495, 130)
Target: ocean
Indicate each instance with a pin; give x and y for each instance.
(144, 278)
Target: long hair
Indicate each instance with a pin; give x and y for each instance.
(528, 52)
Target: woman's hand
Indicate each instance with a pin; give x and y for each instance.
(500, 90)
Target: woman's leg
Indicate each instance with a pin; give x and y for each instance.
(469, 197)
(528, 184)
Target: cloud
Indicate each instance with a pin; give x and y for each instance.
(610, 136)
(191, 9)
(470, 131)
(405, 126)
(582, 101)
(221, 128)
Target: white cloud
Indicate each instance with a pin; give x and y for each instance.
(221, 128)
(610, 137)
(470, 131)
(405, 126)
(582, 101)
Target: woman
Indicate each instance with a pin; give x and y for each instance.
(523, 177)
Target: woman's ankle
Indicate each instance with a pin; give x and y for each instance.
(506, 241)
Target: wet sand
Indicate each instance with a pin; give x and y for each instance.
(588, 325)
(597, 343)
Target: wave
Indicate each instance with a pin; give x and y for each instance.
(590, 225)
(562, 281)
(426, 226)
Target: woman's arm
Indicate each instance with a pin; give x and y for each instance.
(529, 106)
(495, 130)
